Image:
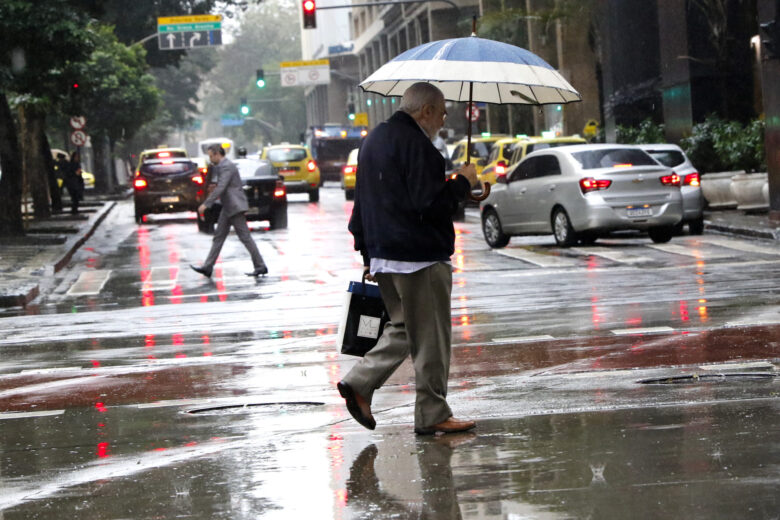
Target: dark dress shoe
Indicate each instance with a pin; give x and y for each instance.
(200, 270)
(451, 425)
(258, 271)
(361, 412)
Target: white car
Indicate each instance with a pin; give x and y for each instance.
(583, 192)
(672, 156)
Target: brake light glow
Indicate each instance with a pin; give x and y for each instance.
(348, 170)
(343, 134)
(197, 179)
(692, 179)
(501, 168)
(363, 133)
(311, 165)
(163, 154)
(622, 165)
(167, 162)
(279, 191)
(671, 180)
(139, 183)
(589, 184)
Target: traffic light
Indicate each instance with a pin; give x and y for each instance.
(244, 107)
(351, 111)
(770, 38)
(260, 78)
(309, 14)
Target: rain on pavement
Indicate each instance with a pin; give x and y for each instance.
(623, 378)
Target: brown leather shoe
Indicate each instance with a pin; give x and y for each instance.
(357, 405)
(451, 425)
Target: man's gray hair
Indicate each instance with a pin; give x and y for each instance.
(216, 148)
(418, 95)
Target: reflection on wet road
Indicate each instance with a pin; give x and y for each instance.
(140, 389)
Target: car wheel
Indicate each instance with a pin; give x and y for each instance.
(139, 215)
(564, 233)
(278, 219)
(696, 226)
(314, 195)
(491, 229)
(661, 235)
(349, 194)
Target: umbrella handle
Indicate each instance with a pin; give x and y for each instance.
(482, 196)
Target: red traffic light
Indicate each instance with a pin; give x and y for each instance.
(75, 85)
(309, 14)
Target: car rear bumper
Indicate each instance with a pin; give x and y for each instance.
(692, 202)
(299, 186)
(156, 202)
(603, 217)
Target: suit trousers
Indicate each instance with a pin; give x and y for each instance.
(238, 221)
(420, 312)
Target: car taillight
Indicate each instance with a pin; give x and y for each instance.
(671, 180)
(349, 170)
(279, 191)
(139, 183)
(164, 154)
(197, 179)
(363, 133)
(501, 168)
(204, 171)
(692, 179)
(167, 162)
(589, 184)
(311, 165)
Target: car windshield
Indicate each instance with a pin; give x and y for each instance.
(165, 154)
(670, 158)
(480, 149)
(287, 154)
(609, 157)
(167, 167)
(250, 168)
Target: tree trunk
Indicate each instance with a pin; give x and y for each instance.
(48, 160)
(11, 180)
(31, 122)
(101, 172)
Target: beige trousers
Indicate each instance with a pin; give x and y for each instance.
(420, 325)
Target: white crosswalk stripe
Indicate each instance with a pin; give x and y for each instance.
(693, 251)
(741, 245)
(89, 282)
(539, 259)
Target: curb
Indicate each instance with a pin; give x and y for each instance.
(766, 234)
(30, 291)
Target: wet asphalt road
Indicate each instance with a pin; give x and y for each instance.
(618, 379)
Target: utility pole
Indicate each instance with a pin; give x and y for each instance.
(769, 22)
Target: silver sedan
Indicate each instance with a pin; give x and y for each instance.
(582, 192)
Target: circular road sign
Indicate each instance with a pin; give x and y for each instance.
(78, 138)
(78, 122)
(474, 112)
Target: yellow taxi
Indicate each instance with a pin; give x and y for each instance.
(526, 145)
(349, 175)
(498, 160)
(297, 167)
(480, 151)
(162, 152)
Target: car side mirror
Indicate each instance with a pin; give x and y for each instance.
(502, 179)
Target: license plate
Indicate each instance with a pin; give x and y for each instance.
(288, 172)
(169, 199)
(639, 212)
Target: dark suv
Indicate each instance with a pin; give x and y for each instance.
(264, 190)
(167, 185)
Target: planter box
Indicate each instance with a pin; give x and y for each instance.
(716, 188)
(751, 191)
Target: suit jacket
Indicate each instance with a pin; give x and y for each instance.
(404, 204)
(229, 190)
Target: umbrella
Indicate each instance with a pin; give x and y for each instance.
(474, 69)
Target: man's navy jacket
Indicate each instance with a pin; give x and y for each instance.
(404, 204)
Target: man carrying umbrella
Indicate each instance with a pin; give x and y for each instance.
(402, 224)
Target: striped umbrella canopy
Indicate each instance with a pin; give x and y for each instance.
(474, 69)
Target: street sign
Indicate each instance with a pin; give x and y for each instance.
(78, 122)
(78, 138)
(231, 120)
(474, 112)
(303, 73)
(187, 32)
(361, 119)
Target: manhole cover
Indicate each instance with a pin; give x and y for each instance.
(288, 407)
(708, 378)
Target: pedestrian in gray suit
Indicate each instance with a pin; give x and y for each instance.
(230, 193)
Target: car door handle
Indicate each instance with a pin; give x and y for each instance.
(521, 190)
(551, 188)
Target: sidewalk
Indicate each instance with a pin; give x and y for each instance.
(26, 263)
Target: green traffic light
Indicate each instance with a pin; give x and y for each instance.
(260, 83)
(244, 110)
(351, 117)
